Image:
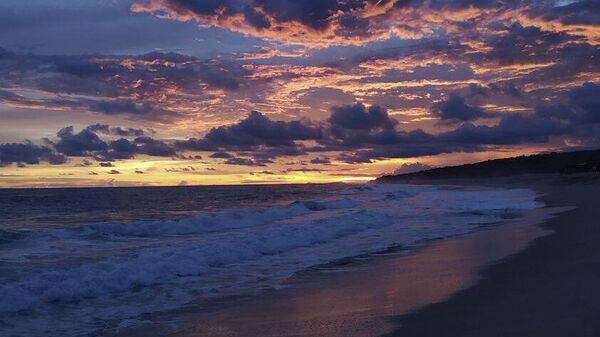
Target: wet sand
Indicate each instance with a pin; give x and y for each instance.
(370, 297)
(550, 289)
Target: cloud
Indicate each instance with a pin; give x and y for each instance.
(87, 143)
(511, 130)
(118, 131)
(353, 134)
(367, 155)
(78, 144)
(586, 101)
(521, 45)
(454, 109)
(582, 106)
(126, 149)
(357, 22)
(582, 12)
(281, 19)
(356, 126)
(124, 106)
(411, 167)
(244, 162)
(29, 153)
(361, 134)
(358, 117)
(222, 155)
(154, 147)
(131, 85)
(320, 160)
(365, 146)
(256, 130)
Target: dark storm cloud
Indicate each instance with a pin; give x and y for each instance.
(503, 88)
(320, 160)
(399, 151)
(570, 60)
(362, 146)
(426, 48)
(342, 21)
(119, 149)
(87, 143)
(265, 155)
(377, 138)
(78, 144)
(352, 25)
(118, 131)
(185, 71)
(313, 14)
(122, 107)
(222, 155)
(354, 133)
(254, 131)
(354, 126)
(154, 147)
(54, 74)
(358, 117)
(585, 12)
(29, 153)
(107, 83)
(511, 130)
(455, 109)
(567, 55)
(518, 45)
(244, 162)
(439, 72)
(582, 106)
(461, 4)
(101, 128)
(8, 96)
(586, 102)
(125, 149)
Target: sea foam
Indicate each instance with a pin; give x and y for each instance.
(122, 270)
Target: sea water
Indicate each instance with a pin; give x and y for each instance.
(92, 261)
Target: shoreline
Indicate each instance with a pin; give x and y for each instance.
(549, 289)
(333, 302)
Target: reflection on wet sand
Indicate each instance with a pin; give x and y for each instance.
(361, 301)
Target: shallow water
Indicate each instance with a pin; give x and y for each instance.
(74, 262)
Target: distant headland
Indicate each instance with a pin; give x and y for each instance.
(548, 163)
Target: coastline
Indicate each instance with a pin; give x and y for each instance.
(376, 296)
(549, 289)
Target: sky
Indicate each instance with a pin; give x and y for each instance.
(193, 92)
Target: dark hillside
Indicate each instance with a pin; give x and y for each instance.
(564, 163)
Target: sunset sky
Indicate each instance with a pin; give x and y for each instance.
(175, 92)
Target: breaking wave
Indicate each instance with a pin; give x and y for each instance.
(127, 268)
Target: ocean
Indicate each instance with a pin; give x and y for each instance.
(92, 261)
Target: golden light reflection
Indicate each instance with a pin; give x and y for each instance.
(353, 303)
